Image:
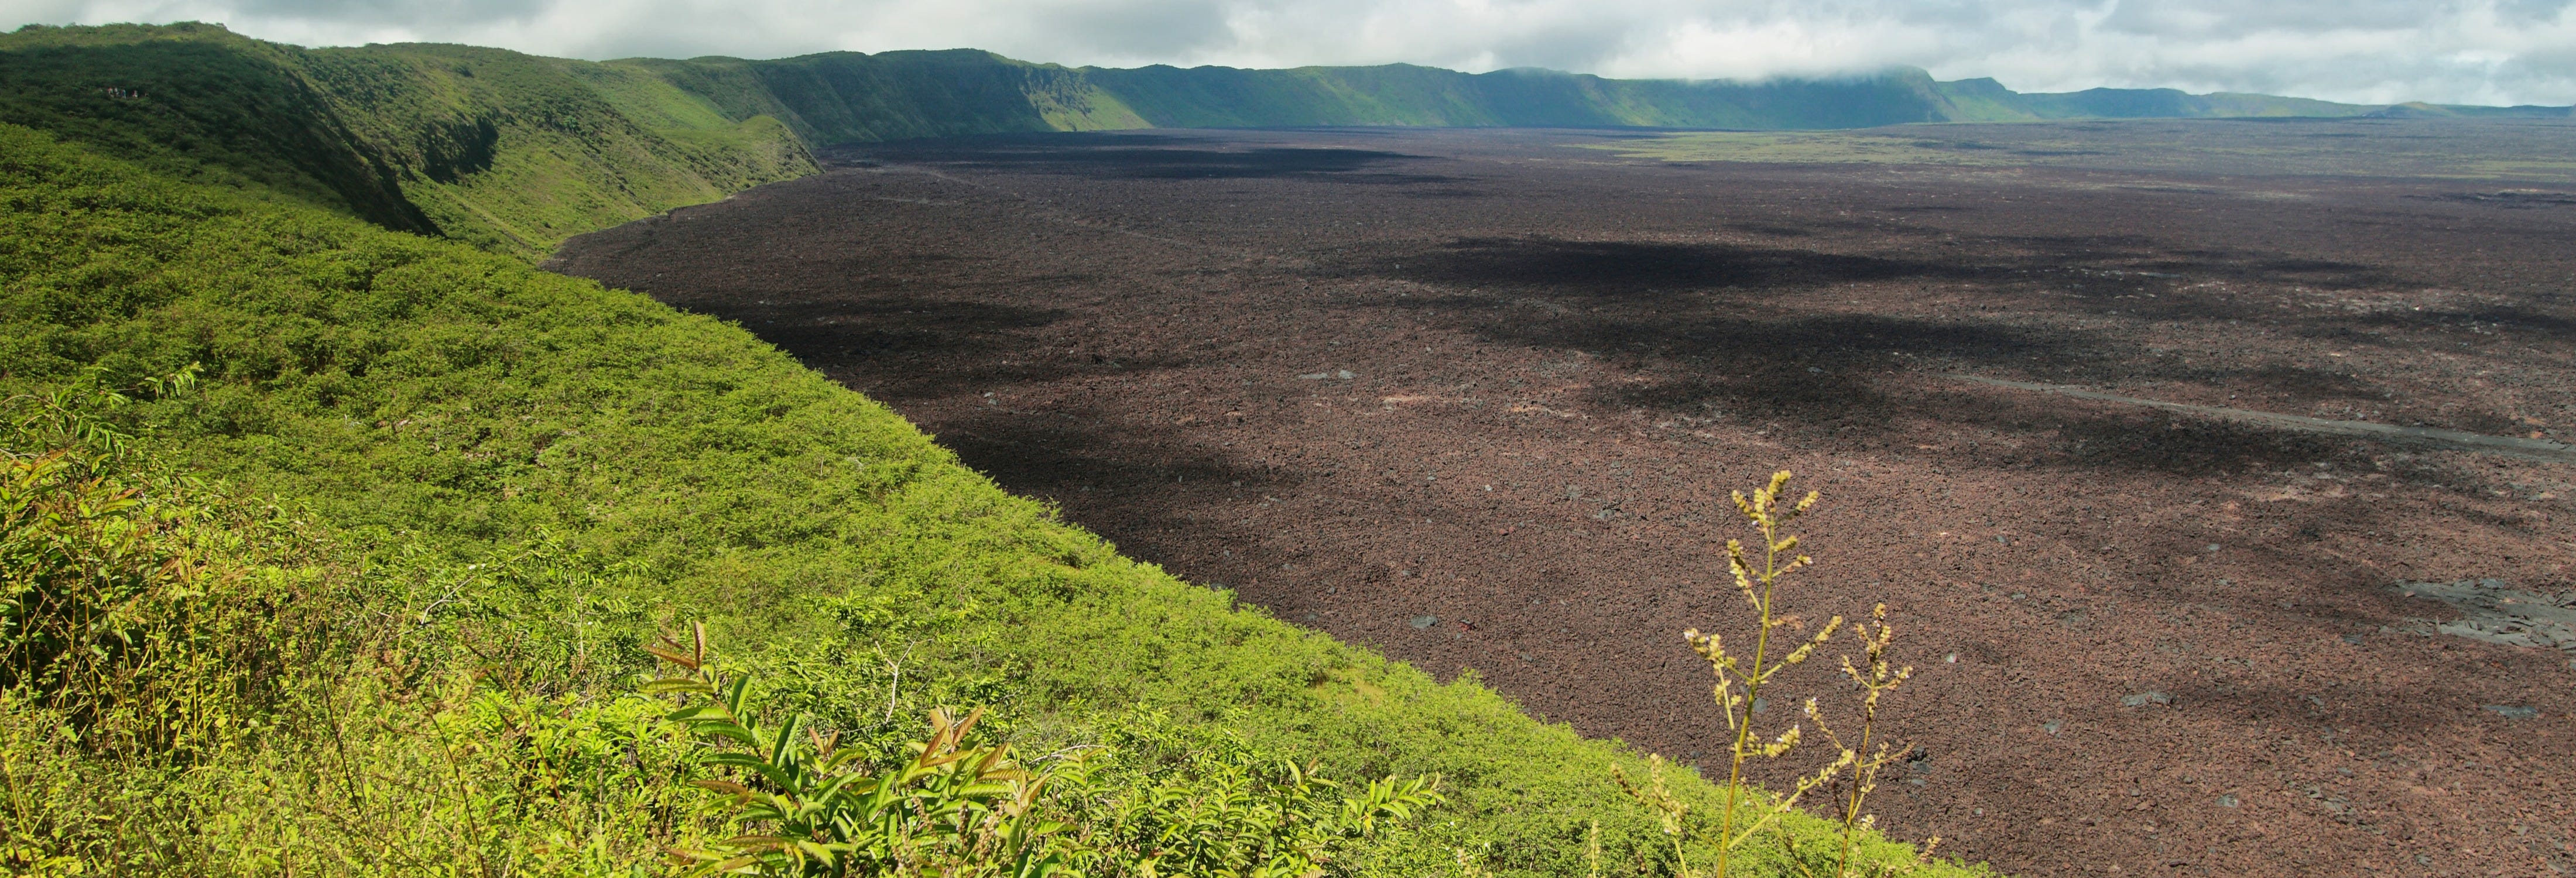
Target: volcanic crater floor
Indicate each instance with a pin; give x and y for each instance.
(1476, 398)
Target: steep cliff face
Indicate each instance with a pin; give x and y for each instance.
(847, 97)
(201, 104)
(516, 152)
(511, 152)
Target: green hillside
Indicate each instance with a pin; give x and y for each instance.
(515, 152)
(1403, 94)
(511, 152)
(197, 103)
(367, 595)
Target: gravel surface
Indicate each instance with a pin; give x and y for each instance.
(1475, 399)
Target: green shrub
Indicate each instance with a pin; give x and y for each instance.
(1161, 798)
(197, 684)
(145, 616)
(1151, 798)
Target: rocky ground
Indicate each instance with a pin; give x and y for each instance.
(1476, 398)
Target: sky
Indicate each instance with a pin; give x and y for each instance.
(2360, 51)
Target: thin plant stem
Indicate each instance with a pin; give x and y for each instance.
(1860, 790)
(1752, 693)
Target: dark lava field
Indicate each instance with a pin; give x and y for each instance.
(2144, 432)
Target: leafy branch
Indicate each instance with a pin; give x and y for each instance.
(954, 809)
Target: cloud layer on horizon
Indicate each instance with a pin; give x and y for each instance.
(2362, 51)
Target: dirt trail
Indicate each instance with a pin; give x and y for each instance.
(1501, 382)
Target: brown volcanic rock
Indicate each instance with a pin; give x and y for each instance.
(1475, 399)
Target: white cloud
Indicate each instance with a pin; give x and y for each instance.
(2365, 51)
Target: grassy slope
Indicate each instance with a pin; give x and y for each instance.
(511, 152)
(848, 97)
(516, 152)
(408, 390)
(197, 103)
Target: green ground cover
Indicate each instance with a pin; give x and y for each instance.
(511, 152)
(434, 501)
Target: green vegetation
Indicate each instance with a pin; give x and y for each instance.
(511, 152)
(1133, 804)
(848, 97)
(361, 583)
(197, 103)
(515, 153)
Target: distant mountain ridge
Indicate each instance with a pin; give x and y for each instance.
(932, 93)
(516, 152)
(1985, 100)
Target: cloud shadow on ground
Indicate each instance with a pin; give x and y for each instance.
(1612, 268)
(1143, 157)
